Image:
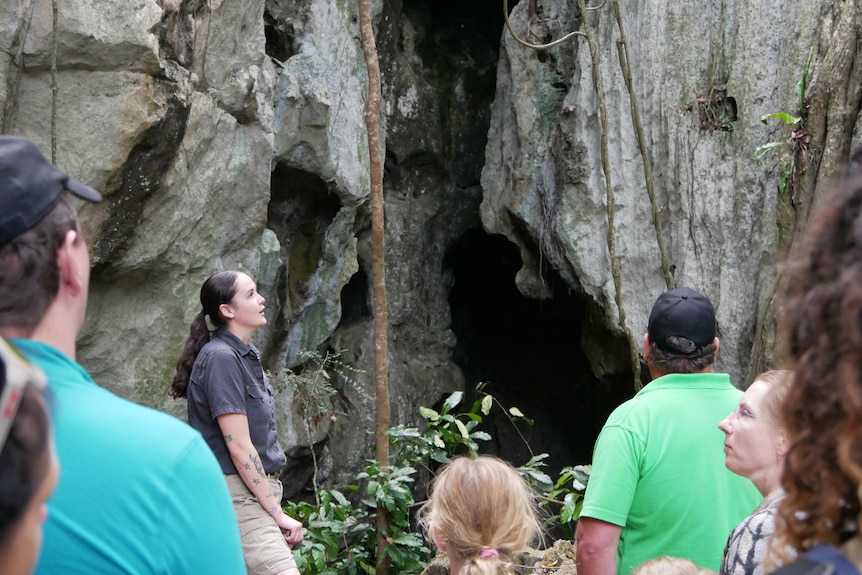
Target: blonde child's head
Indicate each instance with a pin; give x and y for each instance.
(480, 512)
(671, 566)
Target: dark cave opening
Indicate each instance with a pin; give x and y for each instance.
(530, 355)
(355, 299)
(485, 15)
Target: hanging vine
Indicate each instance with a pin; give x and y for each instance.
(526, 44)
(622, 50)
(634, 356)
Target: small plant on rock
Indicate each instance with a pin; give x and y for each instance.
(799, 142)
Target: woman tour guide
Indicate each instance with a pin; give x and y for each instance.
(231, 403)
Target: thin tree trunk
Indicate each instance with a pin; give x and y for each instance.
(378, 271)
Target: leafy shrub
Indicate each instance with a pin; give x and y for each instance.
(341, 537)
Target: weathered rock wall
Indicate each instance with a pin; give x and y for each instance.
(229, 134)
(544, 182)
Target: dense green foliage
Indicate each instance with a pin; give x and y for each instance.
(340, 535)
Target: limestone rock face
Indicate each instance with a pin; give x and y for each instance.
(544, 183)
(230, 134)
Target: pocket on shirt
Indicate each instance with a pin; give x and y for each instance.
(254, 391)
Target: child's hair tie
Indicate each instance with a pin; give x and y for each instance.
(488, 553)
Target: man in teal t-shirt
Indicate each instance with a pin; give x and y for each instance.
(659, 485)
(140, 492)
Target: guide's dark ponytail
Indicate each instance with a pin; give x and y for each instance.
(220, 288)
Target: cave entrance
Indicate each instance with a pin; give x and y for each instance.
(530, 355)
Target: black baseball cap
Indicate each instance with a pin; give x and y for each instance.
(30, 187)
(681, 312)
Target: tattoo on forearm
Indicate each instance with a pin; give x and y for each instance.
(257, 464)
(228, 438)
(256, 481)
(247, 466)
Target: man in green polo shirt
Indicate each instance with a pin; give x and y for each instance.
(659, 485)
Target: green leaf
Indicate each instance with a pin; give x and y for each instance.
(408, 540)
(340, 499)
(578, 475)
(469, 424)
(515, 412)
(536, 460)
(487, 403)
(429, 413)
(802, 85)
(394, 553)
(452, 401)
(567, 513)
(373, 487)
(440, 457)
(539, 476)
(788, 119)
(762, 150)
(464, 433)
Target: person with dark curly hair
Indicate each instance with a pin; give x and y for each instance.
(822, 331)
(28, 464)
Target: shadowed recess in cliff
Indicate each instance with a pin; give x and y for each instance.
(355, 302)
(486, 15)
(279, 23)
(176, 31)
(301, 208)
(458, 44)
(140, 179)
(530, 354)
(278, 38)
